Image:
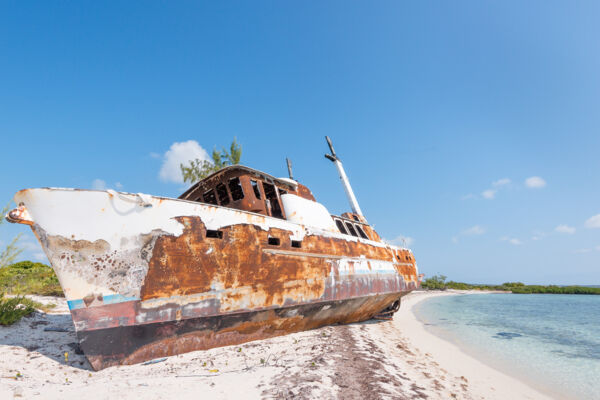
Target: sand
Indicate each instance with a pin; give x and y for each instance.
(395, 359)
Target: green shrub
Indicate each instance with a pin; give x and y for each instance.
(13, 309)
(27, 277)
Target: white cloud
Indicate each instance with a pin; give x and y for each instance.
(468, 196)
(565, 229)
(155, 155)
(474, 230)
(593, 222)
(501, 182)
(513, 241)
(535, 182)
(98, 184)
(402, 241)
(119, 185)
(538, 235)
(489, 194)
(180, 153)
(598, 248)
(455, 239)
(582, 251)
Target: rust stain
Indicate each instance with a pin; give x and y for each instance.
(192, 263)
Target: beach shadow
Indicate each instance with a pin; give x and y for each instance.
(46, 335)
(367, 322)
(52, 335)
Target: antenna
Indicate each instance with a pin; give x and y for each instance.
(349, 193)
(289, 165)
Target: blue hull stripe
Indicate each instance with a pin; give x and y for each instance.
(108, 299)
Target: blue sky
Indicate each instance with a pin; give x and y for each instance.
(440, 111)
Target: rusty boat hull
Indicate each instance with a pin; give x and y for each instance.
(147, 277)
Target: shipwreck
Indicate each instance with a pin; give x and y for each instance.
(239, 256)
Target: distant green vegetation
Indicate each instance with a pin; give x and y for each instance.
(438, 282)
(27, 277)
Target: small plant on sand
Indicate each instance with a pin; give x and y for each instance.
(13, 309)
(11, 251)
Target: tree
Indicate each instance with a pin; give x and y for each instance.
(199, 169)
(10, 253)
(436, 282)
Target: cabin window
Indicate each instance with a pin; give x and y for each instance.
(351, 229)
(282, 192)
(222, 194)
(271, 195)
(214, 234)
(255, 188)
(341, 227)
(274, 241)
(360, 231)
(209, 197)
(297, 243)
(235, 187)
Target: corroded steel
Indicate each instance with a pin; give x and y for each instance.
(19, 215)
(167, 276)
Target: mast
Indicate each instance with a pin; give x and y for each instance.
(349, 193)
(289, 165)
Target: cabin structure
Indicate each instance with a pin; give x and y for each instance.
(247, 189)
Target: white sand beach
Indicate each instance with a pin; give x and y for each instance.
(395, 359)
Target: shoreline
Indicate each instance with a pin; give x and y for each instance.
(490, 382)
(368, 360)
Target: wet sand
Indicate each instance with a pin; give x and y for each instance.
(395, 359)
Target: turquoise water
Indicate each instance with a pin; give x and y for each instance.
(551, 342)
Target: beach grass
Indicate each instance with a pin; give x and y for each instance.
(12, 309)
(27, 277)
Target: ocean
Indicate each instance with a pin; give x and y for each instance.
(551, 342)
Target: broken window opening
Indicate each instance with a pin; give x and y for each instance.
(360, 231)
(297, 243)
(209, 197)
(235, 187)
(222, 194)
(271, 195)
(255, 188)
(341, 227)
(274, 241)
(214, 234)
(282, 192)
(351, 229)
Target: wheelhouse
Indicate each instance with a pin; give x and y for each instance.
(247, 189)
